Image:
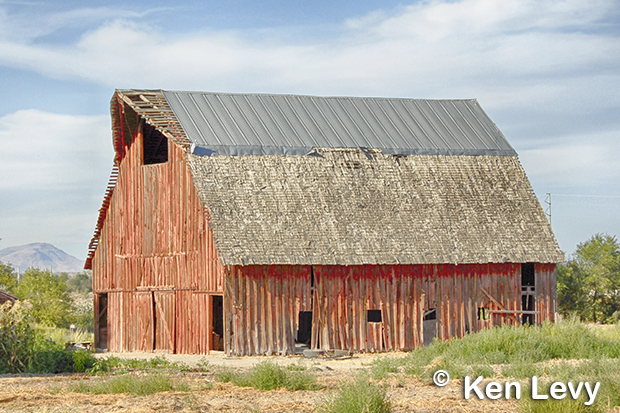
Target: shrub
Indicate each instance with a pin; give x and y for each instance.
(359, 396)
(23, 349)
(49, 357)
(16, 337)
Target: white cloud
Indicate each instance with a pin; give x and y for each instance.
(43, 150)
(434, 49)
(582, 163)
(53, 173)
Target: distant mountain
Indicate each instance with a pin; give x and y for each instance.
(41, 255)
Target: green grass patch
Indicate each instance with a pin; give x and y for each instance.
(519, 346)
(122, 365)
(566, 405)
(136, 385)
(62, 335)
(268, 375)
(358, 396)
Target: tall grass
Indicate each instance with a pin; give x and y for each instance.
(517, 346)
(127, 383)
(104, 365)
(358, 396)
(64, 335)
(269, 376)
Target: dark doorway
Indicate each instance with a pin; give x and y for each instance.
(429, 326)
(528, 284)
(304, 333)
(217, 311)
(101, 321)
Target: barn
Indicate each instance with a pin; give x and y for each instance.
(265, 224)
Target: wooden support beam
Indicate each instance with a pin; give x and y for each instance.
(497, 303)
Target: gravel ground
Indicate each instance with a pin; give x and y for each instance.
(49, 393)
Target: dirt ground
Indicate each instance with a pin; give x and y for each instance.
(49, 393)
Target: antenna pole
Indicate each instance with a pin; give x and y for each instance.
(548, 210)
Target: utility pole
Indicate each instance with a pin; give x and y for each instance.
(548, 209)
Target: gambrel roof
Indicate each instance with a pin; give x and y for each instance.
(311, 180)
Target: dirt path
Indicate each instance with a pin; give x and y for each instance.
(53, 393)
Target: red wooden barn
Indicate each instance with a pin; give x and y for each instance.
(258, 224)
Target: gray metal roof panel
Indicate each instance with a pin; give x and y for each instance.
(247, 124)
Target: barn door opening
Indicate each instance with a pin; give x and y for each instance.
(528, 283)
(101, 321)
(429, 326)
(217, 323)
(304, 323)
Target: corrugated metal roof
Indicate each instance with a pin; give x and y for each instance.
(253, 124)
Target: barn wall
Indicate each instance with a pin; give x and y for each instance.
(546, 292)
(261, 307)
(262, 304)
(155, 258)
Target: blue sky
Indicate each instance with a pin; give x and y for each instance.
(547, 72)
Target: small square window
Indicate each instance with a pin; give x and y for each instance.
(483, 313)
(374, 316)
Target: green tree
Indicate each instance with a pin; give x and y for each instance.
(8, 278)
(591, 281)
(572, 296)
(51, 303)
(81, 282)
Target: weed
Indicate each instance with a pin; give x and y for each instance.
(268, 375)
(296, 367)
(566, 405)
(203, 364)
(521, 346)
(225, 375)
(358, 396)
(385, 365)
(120, 364)
(522, 370)
(139, 386)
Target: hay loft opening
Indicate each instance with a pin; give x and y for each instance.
(155, 149)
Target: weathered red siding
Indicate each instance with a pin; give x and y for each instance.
(546, 292)
(155, 258)
(262, 303)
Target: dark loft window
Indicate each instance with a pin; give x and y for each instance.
(374, 316)
(528, 275)
(430, 314)
(155, 145)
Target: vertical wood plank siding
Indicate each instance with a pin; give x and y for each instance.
(261, 307)
(546, 292)
(156, 258)
(262, 303)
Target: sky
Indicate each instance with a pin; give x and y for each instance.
(547, 72)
